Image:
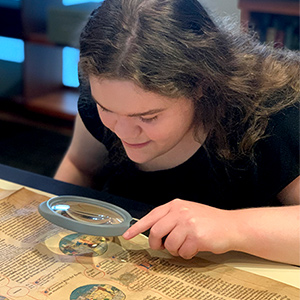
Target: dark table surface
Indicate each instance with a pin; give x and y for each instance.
(50, 185)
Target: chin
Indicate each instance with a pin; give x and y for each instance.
(138, 159)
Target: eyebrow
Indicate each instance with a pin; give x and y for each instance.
(146, 113)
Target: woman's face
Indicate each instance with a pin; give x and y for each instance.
(156, 131)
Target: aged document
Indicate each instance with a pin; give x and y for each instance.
(39, 260)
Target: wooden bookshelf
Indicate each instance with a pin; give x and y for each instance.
(40, 84)
(289, 8)
(272, 19)
(60, 104)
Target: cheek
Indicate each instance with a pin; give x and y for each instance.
(173, 129)
(154, 134)
(160, 132)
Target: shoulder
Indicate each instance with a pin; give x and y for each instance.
(283, 127)
(277, 155)
(286, 118)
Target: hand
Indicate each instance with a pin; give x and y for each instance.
(189, 227)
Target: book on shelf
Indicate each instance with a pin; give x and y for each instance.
(278, 30)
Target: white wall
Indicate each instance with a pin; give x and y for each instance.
(223, 7)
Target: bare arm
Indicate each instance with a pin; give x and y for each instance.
(273, 232)
(84, 158)
(269, 232)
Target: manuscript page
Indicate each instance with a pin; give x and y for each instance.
(39, 260)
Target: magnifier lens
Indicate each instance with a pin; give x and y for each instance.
(86, 215)
(86, 212)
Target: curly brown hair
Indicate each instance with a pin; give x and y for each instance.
(174, 48)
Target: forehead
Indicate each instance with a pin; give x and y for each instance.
(118, 85)
(120, 94)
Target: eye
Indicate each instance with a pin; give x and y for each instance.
(102, 109)
(148, 120)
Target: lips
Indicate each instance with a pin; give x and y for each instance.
(136, 145)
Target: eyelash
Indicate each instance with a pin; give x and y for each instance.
(148, 120)
(145, 120)
(102, 108)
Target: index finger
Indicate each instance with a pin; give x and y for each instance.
(146, 222)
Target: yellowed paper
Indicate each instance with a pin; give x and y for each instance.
(39, 260)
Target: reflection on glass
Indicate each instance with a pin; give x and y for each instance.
(88, 213)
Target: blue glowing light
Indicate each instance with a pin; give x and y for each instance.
(11, 49)
(10, 3)
(72, 2)
(70, 66)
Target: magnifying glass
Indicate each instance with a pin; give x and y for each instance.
(86, 215)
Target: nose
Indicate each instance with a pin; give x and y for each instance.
(126, 128)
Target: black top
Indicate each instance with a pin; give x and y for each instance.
(202, 178)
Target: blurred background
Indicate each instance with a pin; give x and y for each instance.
(38, 68)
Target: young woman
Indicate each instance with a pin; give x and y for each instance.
(183, 113)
